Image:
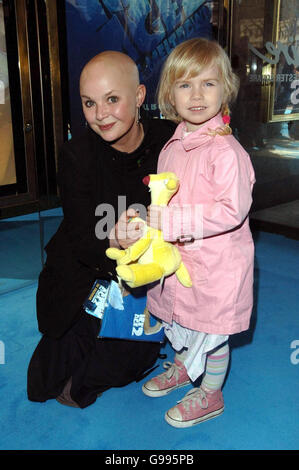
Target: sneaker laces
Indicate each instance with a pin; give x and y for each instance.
(193, 397)
(172, 369)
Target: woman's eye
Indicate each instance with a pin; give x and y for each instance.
(89, 103)
(113, 99)
(184, 85)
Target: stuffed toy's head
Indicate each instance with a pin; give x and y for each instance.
(162, 187)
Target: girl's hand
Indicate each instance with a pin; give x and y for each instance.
(154, 216)
(126, 231)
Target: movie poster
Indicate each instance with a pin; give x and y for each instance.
(146, 30)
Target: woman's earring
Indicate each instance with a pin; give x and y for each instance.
(138, 115)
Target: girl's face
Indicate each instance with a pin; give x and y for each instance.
(198, 99)
(109, 101)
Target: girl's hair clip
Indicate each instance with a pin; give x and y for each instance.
(226, 119)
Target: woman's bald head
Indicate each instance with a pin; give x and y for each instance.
(114, 61)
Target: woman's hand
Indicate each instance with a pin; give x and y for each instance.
(126, 231)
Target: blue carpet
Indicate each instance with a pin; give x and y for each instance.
(21, 254)
(261, 391)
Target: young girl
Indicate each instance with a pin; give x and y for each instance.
(208, 220)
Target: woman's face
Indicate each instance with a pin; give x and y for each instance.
(110, 98)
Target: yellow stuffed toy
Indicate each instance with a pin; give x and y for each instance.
(151, 258)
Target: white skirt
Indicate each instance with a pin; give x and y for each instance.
(192, 347)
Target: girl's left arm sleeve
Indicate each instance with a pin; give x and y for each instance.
(231, 178)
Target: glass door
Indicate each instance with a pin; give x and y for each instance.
(17, 164)
(32, 129)
(7, 158)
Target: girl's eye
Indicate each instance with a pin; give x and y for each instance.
(112, 99)
(89, 103)
(184, 85)
(210, 84)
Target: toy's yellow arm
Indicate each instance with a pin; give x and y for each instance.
(136, 275)
(136, 250)
(132, 253)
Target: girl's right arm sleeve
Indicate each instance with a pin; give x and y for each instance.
(232, 180)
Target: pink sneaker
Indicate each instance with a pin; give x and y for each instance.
(196, 406)
(175, 377)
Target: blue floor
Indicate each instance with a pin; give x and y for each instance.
(260, 393)
(21, 242)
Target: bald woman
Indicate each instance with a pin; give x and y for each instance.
(104, 165)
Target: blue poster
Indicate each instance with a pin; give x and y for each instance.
(146, 30)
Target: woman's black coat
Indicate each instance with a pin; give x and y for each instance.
(91, 173)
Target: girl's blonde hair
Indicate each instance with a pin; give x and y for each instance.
(188, 60)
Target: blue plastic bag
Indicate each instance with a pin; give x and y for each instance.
(123, 317)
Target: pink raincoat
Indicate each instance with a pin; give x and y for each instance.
(208, 220)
